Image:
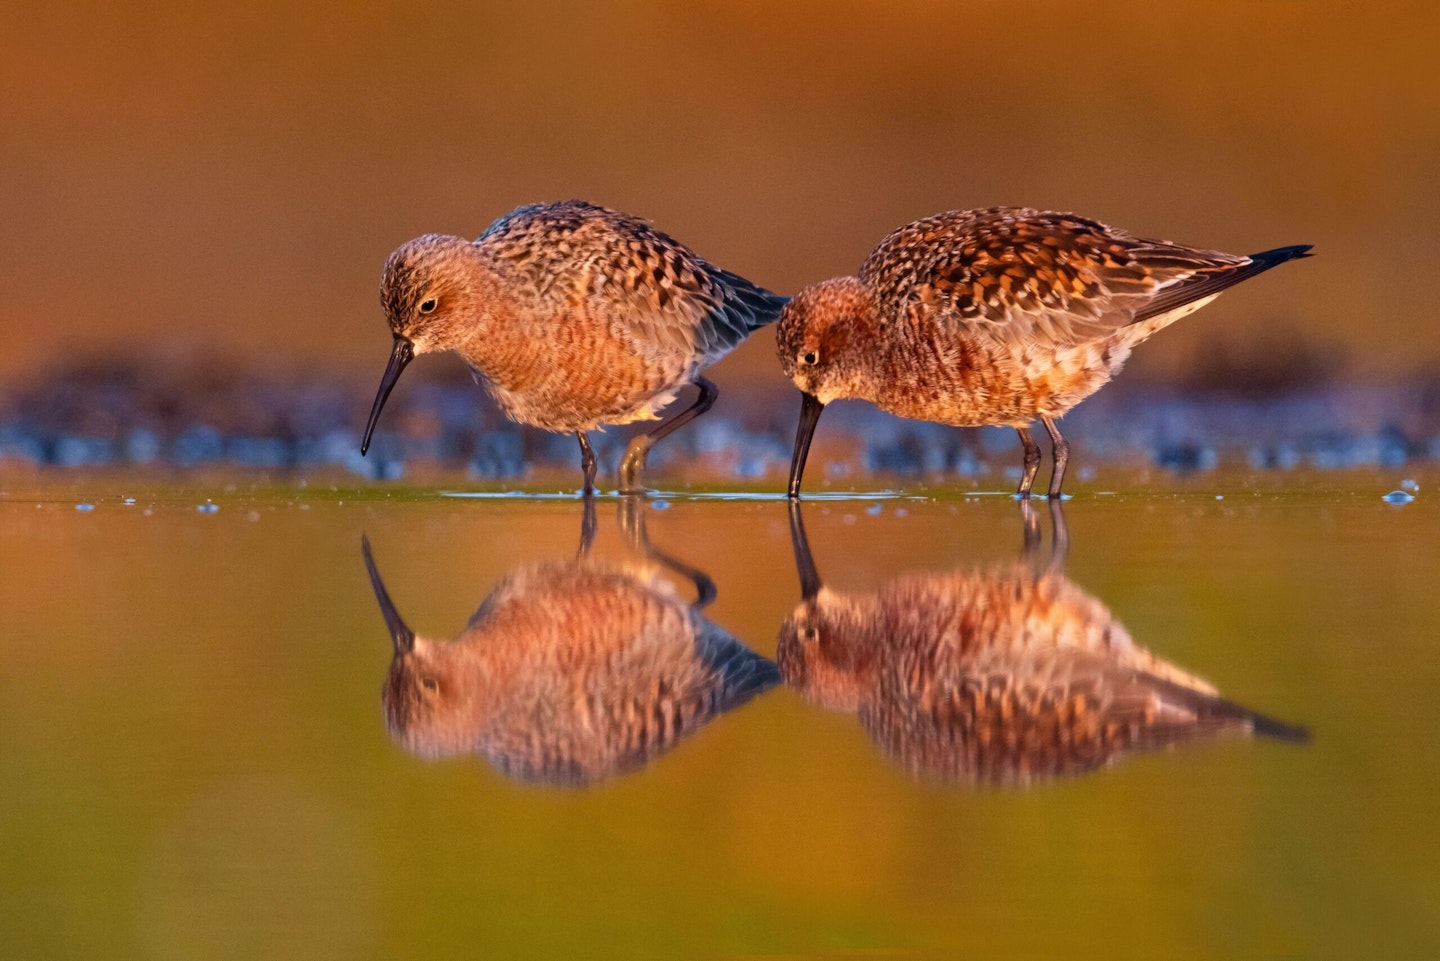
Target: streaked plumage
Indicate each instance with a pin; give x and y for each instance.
(574, 316)
(1001, 675)
(569, 673)
(999, 316)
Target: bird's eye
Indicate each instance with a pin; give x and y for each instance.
(809, 359)
(426, 306)
(429, 683)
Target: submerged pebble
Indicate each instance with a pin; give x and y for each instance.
(1399, 497)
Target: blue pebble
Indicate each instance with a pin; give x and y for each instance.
(660, 505)
(208, 508)
(84, 507)
(1398, 497)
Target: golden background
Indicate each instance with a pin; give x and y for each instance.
(226, 181)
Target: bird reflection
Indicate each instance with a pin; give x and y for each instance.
(1005, 675)
(572, 670)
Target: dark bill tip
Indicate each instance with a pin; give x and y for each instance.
(810, 411)
(401, 636)
(403, 353)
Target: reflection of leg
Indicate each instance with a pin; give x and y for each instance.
(1032, 461)
(1062, 456)
(1059, 536)
(1032, 529)
(587, 462)
(639, 448)
(632, 524)
(588, 524)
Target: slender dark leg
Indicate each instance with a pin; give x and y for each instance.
(632, 524)
(639, 448)
(587, 462)
(1062, 456)
(1032, 461)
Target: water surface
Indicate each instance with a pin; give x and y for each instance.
(198, 764)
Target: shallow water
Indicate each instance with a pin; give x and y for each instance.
(197, 764)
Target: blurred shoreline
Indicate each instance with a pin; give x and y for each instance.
(212, 416)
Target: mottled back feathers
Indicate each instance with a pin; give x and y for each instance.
(1007, 274)
(565, 255)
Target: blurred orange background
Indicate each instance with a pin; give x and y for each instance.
(227, 179)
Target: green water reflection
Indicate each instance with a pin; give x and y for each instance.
(197, 762)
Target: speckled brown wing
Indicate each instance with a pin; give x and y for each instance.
(1016, 275)
(575, 254)
(604, 669)
(1007, 717)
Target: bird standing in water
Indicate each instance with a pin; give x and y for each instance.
(575, 317)
(1000, 316)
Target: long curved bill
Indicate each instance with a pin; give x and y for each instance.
(810, 410)
(403, 353)
(401, 637)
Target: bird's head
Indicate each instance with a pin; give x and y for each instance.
(429, 294)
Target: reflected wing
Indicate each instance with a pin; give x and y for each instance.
(1046, 712)
(1009, 274)
(579, 257)
(743, 673)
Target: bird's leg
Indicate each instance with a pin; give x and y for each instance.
(587, 463)
(1032, 461)
(1062, 456)
(639, 447)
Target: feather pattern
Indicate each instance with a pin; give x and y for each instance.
(1004, 275)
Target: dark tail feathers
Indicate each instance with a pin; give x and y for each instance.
(1211, 283)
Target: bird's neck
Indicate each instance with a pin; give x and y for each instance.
(494, 336)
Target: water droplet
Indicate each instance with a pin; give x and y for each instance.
(1399, 497)
(129, 500)
(207, 508)
(1219, 497)
(872, 511)
(84, 507)
(1409, 484)
(660, 505)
